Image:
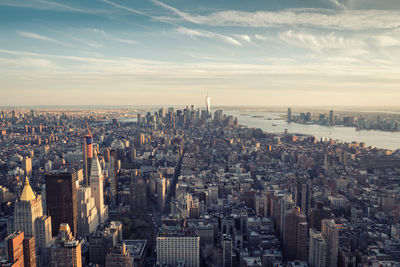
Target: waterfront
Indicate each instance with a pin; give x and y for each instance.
(267, 120)
(272, 122)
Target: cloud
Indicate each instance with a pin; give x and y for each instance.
(321, 42)
(45, 5)
(196, 33)
(176, 11)
(113, 38)
(244, 37)
(322, 18)
(260, 37)
(338, 4)
(126, 8)
(27, 62)
(36, 36)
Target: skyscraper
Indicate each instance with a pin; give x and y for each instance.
(317, 249)
(66, 251)
(331, 234)
(15, 249)
(208, 106)
(226, 251)
(138, 196)
(113, 176)
(43, 233)
(119, 257)
(97, 184)
(88, 217)
(302, 197)
(289, 115)
(29, 251)
(87, 153)
(27, 210)
(295, 237)
(61, 200)
(27, 166)
(174, 247)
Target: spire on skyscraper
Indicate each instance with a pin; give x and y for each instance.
(27, 192)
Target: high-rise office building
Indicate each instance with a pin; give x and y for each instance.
(226, 251)
(61, 200)
(27, 210)
(302, 197)
(112, 170)
(331, 118)
(27, 166)
(317, 249)
(138, 195)
(66, 251)
(87, 153)
(208, 106)
(289, 115)
(330, 232)
(119, 257)
(43, 233)
(178, 246)
(101, 241)
(88, 217)
(295, 237)
(15, 249)
(29, 251)
(97, 185)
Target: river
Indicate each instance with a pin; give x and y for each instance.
(380, 139)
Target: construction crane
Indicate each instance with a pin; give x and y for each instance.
(88, 130)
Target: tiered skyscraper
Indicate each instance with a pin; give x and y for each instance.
(97, 184)
(66, 251)
(28, 217)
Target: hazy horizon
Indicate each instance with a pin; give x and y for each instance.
(277, 53)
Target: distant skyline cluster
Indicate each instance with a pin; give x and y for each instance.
(172, 52)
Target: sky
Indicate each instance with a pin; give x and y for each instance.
(175, 52)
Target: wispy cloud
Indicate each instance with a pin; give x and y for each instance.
(318, 42)
(36, 36)
(113, 38)
(46, 5)
(322, 18)
(338, 4)
(260, 37)
(178, 12)
(138, 12)
(207, 34)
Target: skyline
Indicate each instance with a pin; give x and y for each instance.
(334, 53)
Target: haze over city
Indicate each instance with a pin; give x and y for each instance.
(278, 52)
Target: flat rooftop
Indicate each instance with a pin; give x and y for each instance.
(136, 247)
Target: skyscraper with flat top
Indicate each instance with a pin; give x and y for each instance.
(331, 234)
(317, 249)
(61, 200)
(295, 238)
(174, 247)
(15, 249)
(29, 251)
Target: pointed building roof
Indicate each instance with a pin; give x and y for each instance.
(27, 192)
(95, 169)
